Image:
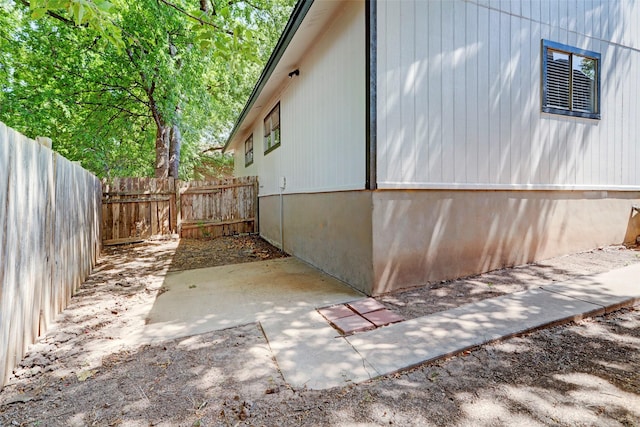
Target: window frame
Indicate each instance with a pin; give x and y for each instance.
(269, 148)
(571, 51)
(248, 141)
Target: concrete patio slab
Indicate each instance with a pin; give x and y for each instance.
(611, 289)
(207, 299)
(283, 295)
(310, 353)
(402, 345)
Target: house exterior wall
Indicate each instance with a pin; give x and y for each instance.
(321, 156)
(331, 231)
(472, 176)
(459, 96)
(322, 116)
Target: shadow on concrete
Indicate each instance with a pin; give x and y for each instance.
(215, 298)
(444, 295)
(578, 374)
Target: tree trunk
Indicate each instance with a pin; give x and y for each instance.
(163, 136)
(174, 151)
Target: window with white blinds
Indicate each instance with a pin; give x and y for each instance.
(570, 80)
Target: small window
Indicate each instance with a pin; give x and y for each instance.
(272, 130)
(570, 81)
(248, 151)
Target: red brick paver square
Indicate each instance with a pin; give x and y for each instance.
(351, 324)
(366, 305)
(383, 317)
(336, 312)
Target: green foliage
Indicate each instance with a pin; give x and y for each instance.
(99, 15)
(98, 76)
(587, 66)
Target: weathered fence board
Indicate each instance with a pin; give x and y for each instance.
(218, 208)
(134, 209)
(49, 239)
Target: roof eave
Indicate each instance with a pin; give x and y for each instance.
(296, 18)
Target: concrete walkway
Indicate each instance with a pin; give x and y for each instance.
(310, 353)
(284, 295)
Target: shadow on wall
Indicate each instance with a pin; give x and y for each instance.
(436, 235)
(471, 113)
(426, 236)
(422, 236)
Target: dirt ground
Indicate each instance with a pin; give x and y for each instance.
(79, 373)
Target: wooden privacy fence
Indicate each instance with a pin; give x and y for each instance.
(218, 208)
(49, 239)
(134, 209)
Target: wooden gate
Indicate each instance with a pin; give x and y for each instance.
(134, 209)
(218, 208)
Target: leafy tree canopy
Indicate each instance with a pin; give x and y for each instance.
(131, 87)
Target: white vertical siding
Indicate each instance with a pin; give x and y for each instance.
(322, 116)
(459, 95)
(434, 98)
(420, 84)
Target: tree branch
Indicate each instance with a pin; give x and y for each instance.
(52, 14)
(210, 149)
(149, 91)
(200, 20)
(117, 107)
(108, 86)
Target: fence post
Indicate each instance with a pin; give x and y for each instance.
(173, 221)
(256, 207)
(46, 314)
(43, 140)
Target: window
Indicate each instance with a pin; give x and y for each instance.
(272, 130)
(570, 81)
(248, 151)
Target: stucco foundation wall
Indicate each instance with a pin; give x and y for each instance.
(331, 231)
(269, 219)
(423, 235)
